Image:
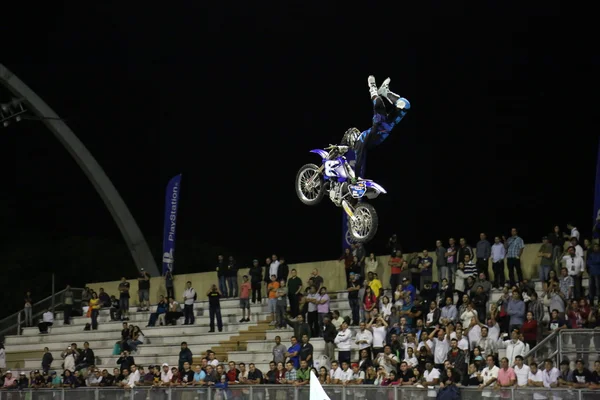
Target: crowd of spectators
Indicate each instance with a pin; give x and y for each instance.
(414, 332)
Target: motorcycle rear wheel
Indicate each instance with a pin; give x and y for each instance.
(310, 185)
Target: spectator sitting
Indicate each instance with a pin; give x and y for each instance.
(115, 314)
(173, 313)
(105, 299)
(47, 320)
(161, 310)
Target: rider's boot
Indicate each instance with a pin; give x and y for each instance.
(372, 86)
(400, 102)
(384, 88)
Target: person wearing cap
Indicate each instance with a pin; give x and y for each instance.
(545, 255)
(166, 375)
(10, 381)
(38, 381)
(94, 378)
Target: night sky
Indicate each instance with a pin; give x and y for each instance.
(500, 133)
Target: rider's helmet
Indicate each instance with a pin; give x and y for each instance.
(350, 137)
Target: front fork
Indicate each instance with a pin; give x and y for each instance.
(349, 210)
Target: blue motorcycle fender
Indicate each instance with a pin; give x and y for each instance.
(374, 186)
(322, 153)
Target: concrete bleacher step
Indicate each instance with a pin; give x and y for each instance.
(141, 319)
(239, 342)
(116, 327)
(201, 307)
(156, 335)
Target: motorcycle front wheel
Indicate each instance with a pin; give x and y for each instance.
(364, 227)
(310, 185)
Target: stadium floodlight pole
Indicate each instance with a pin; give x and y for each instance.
(129, 229)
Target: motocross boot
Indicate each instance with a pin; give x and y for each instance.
(372, 86)
(384, 88)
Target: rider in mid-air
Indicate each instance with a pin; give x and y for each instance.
(388, 110)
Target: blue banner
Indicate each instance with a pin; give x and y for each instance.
(171, 205)
(597, 198)
(346, 238)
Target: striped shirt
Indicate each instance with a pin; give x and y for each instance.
(470, 269)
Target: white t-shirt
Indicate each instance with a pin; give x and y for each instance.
(522, 375)
(336, 374)
(347, 375)
(440, 350)
(429, 377)
(488, 374)
(364, 335)
(378, 336)
(537, 377)
(474, 336)
(385, 360)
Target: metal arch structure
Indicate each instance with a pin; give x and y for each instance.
(129, 229)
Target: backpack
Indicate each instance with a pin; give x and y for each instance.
(87, 327)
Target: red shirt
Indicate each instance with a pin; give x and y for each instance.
(245, 290)
(530, 330)
(396, 264)
(232, 375)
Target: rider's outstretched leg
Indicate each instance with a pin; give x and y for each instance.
(400, 102)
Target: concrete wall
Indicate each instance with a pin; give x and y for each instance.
(331, 271)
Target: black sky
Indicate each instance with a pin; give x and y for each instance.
(501, 133)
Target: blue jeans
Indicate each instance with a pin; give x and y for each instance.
(355, 307)
(223, 285)
(232, 282)
(443, 273)
(594, 289)
(544, 272)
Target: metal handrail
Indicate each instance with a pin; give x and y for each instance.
(547, 339)
(13, 323)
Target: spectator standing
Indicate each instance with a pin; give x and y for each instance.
(169, 283)
(593, 264)
(185, 355)
(294, 286)
(189, 296)
(124, 299)
(545, 254)
(498, 256)
(214, 304)
(272, 292)
(484, 252)
(245, 298)
(27, 308)
(256, 275)
(232, 280)
(47, 359)
(514, 251)
(68, 301)
(95, 307)
(440, 261)
(222, 274)
(144, 290)
(282, 295)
